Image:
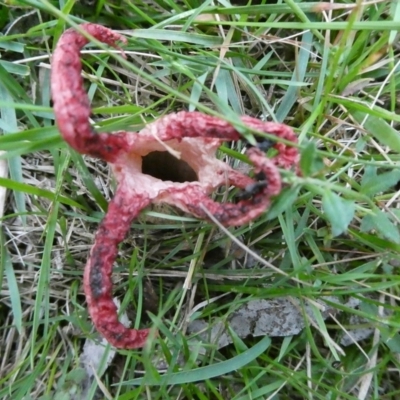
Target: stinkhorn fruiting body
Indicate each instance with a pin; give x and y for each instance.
(192, 136)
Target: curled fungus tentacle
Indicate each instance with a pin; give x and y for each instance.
(135, 157)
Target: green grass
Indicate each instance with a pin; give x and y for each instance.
(332, 233)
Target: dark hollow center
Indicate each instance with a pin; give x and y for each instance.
(162, 165)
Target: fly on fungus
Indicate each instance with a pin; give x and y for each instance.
(135, 159)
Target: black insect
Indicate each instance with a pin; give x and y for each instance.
(255, 188)
(264, 144)
(251, 190)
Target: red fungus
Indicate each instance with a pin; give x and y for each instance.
(193, 135)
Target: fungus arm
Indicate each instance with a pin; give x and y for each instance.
(71, 103)
(195, 124)
(122, 209)
(242, 212)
